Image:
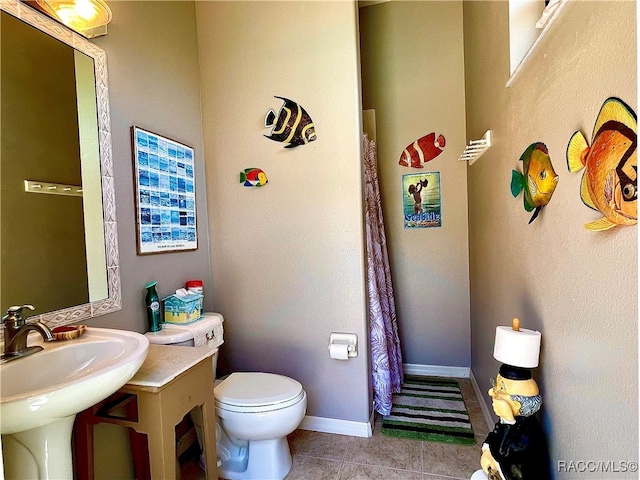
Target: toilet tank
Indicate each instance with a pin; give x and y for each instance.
(209, 329)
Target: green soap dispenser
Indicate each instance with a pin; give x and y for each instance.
(153, 308)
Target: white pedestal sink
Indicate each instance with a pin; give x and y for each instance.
(42, 393)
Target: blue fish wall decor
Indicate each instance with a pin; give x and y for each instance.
(292, 124)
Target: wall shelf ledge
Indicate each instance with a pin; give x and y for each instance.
(476, 148)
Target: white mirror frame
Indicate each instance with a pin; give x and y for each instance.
(114, 300)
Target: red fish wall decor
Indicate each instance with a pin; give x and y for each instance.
(422, 150)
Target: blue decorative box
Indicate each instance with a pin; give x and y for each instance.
(182, 309)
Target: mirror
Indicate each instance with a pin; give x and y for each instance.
(58, 237)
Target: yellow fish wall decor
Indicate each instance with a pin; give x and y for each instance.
(538, 179)
(610, 180)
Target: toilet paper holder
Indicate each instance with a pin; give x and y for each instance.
(349, 339)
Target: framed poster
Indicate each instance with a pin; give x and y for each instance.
(165, 193)
(421, 200)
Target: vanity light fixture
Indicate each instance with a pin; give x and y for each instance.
(87, 17)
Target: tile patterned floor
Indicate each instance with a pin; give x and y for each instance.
(325, 456)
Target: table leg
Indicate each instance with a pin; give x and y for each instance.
(209, 438)
(160, 434)
(83, 452)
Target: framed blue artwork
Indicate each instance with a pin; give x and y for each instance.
(164, 176)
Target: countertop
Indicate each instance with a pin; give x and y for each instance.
(166, 362)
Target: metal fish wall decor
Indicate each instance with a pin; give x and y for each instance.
(422, 150)
(291, 125)
(538, 179)
(253, 177)
(610, 180)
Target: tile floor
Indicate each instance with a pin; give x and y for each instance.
(325, 456)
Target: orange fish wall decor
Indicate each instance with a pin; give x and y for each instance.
(610, 179)
(422, 150)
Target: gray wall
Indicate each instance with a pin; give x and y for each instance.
(578, 288)
(153, 83)
(288, 257)
(413, 76)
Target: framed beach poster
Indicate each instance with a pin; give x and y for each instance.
(165, 193)
(421, 200)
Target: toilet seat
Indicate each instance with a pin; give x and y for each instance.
(257, 392)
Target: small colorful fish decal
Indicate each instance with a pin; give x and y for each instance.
(538, 179)
(422, 150)
(253, 177)
(292, 125)
(610, 180)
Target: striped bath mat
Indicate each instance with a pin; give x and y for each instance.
(430, 409)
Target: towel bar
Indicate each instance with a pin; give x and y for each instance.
(476, 148)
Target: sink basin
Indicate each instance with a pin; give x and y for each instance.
(67, 377)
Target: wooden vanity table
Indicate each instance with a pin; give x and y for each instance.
(171, 382)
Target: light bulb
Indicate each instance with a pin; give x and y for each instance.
(88, 17)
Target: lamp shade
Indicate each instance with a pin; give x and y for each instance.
(87, 17)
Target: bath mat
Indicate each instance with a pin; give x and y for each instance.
(429, 409)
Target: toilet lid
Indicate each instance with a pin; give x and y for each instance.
(172, 333)
(252, 389)
(169, 335)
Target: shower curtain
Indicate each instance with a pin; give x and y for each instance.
(386, 358)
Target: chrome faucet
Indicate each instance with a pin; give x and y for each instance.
(16, 331)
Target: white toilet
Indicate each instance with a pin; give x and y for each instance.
(256, 411)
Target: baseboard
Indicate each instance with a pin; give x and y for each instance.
(436, 370)
(486, 412)
(341, 427)
(365, 429)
